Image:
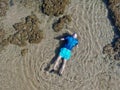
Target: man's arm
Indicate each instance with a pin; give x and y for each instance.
(65, 38)
(77, 46)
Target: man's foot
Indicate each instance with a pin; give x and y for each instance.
(52, 71)
(59, 74)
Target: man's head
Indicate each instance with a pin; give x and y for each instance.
(74, 35)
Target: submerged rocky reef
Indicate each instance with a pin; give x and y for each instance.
(27, 31)
(113, 49)
(3, 7)
(114, 6)
(58, 26)
(2, 34)
(54, 7)
(24, 52)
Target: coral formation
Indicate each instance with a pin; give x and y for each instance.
(3, 7)
(2, 34)
(110, 49)
(3, 41)
(113, 51)
(25, 31)
(54, 7)
(58, 26)
(24, 52)
(114, 6)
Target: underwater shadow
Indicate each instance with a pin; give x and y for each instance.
(57, 50)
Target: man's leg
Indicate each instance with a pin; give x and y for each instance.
(63, 66)
(57, 62)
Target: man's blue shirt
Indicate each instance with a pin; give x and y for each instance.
(70, 42)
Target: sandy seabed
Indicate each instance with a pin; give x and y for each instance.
(88, 68)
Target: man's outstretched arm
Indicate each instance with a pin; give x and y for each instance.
(62, 39)
(77, 46)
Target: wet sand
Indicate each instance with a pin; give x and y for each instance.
(88, 68)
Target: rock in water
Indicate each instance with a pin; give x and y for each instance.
(54, 7)
(58, 26)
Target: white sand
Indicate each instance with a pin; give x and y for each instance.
(88, 69)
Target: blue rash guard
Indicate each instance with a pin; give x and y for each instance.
(65, 52)
(70, 42)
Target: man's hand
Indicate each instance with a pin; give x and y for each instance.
(62, 39)
(77, 46)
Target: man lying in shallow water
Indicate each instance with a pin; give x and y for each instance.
(65, 52)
